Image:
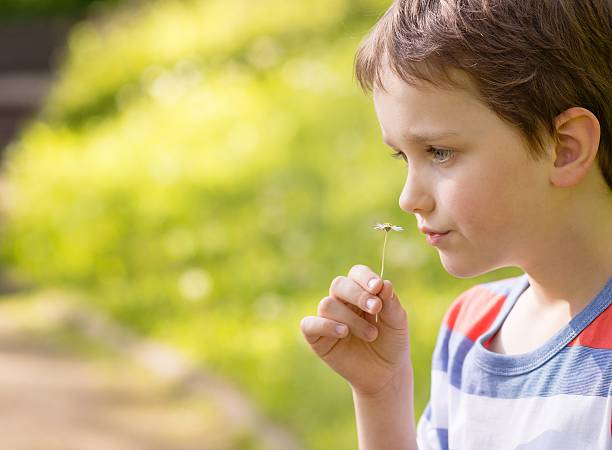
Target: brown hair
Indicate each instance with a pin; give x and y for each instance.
(530, 59)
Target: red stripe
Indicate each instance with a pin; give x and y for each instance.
(473, 312)
(598, 334)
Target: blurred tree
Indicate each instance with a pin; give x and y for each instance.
(203, 170)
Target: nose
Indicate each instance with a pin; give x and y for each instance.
(414, 197)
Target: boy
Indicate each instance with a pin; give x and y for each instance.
(501, 110)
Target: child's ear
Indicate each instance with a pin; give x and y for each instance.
(578, 136)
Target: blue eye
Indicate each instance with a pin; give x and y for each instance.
(440, 151)
(436, 152)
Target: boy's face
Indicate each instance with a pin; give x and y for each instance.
(486, 191)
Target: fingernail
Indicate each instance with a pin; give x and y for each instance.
(340, 329)
(372, 283)
(370, 304)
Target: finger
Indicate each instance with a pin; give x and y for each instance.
(386, 293)
(346, 289)
(366, 278)
(333, 309)
(393, 313)
(313, 328)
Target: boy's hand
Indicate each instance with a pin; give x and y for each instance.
(366, 354)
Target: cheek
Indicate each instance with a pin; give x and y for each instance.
(479, 205)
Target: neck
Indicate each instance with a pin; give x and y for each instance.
(578, 257)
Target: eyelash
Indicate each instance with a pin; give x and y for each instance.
(431, 150)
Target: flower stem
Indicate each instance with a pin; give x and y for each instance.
(382, 266)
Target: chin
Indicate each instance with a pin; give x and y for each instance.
(463, 269)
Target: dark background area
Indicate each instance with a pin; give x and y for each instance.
(16, 10)
(32, 36)
(28, 53)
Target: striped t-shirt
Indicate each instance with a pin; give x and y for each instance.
(556, 397)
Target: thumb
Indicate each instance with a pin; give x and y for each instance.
(392, 311)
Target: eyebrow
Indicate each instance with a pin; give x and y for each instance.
(422, 137)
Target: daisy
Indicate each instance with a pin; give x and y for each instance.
(387, 226)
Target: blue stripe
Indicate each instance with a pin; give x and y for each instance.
(442, 437)
(427, 412)
(439, 360)
(441, 433)
(575, 370)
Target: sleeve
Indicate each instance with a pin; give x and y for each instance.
(428, 437)
(432, 428)
(468, 317)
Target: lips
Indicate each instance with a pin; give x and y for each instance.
(436, 238)
(432, 232)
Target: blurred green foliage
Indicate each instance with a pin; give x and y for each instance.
(203, 170)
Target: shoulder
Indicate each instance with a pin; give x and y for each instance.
(473, 311)
(597, 334)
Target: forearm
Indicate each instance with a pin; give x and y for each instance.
(386, 421)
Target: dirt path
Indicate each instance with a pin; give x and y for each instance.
(61, 388)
